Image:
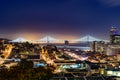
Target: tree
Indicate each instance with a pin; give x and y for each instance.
(24, 64)
(26, 71)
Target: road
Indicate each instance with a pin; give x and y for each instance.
(6, 53)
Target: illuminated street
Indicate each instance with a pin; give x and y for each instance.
(59, 39)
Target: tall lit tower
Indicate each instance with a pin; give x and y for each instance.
(113, 31)
(114, 47)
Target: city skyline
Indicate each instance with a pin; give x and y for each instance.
(60, 39)
(70, 19)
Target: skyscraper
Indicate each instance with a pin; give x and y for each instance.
(114, 47)
(114, 35)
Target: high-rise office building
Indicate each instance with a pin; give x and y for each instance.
(114, 47)
(97, 46)
(116, 39)
(114, 35)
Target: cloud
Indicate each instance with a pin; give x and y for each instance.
(111, 3)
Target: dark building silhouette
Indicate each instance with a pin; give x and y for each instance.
(66, 42)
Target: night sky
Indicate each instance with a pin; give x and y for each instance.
(58, 18)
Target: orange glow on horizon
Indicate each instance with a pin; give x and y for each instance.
(36, 36)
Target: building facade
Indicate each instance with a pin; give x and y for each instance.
(97, 46)
(113, 47)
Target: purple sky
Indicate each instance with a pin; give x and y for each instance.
(72, 18)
